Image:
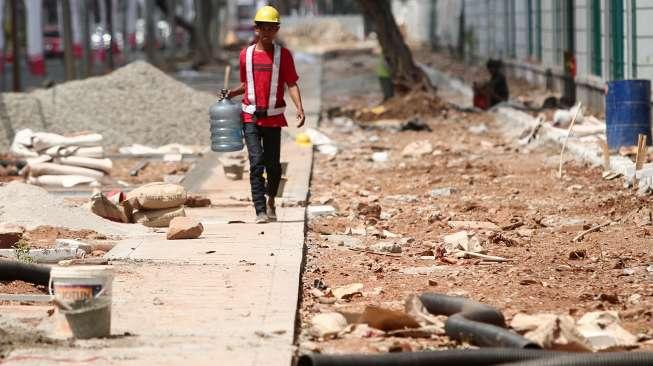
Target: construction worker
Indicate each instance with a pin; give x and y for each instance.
(265, 70)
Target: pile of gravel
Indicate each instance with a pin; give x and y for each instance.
(137, 103)
(31, 206)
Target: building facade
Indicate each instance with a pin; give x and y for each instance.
(575, 46)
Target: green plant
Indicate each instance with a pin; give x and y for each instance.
(21, 249)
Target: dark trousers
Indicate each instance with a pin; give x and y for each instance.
(264, 150)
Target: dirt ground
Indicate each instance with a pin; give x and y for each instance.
(493, 180)
(154, 171)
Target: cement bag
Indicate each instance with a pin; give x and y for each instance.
(58, 169)
(45, 140)
(20, 147)
(158, 195)
(158, 218)
(88, 152)
(65, 181)
(105, 208)
(104, 165)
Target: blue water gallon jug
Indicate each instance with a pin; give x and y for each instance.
(226, 125)
(627, 112)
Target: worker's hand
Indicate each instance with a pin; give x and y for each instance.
(301, 118)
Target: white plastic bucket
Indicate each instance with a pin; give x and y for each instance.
(84, 294)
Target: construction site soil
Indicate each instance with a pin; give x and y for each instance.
(493, 180)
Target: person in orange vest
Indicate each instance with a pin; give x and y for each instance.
(266, 68)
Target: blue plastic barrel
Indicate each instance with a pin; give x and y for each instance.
(627, 112)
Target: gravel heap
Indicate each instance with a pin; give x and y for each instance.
(137, 103)
(32, 206)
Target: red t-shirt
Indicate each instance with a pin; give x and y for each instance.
(262, 68)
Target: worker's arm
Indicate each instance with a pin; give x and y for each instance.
(296, 97)
(236, 92)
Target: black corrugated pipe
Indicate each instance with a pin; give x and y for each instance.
(474, 322)
(11, 270)
(466, 357)
(593, 359)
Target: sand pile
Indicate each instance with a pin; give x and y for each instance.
(32, 206)
(137, 103)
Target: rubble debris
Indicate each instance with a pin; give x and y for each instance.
(322, 142)
(386, 247)
(603, 331)
(369, 210)
(184, 228)
(593, 332)
(562, 117)
(478, 129)
(348, 291)
(442, 192)
(346, 241)
(413, 104)
(10, 234)
(44, 255)
(417, 149)
(320, 210)
(465, 241)
(551, 331)
(193, 200)
(327, 325)
(381, 156)
(386, 319)
(74, 244)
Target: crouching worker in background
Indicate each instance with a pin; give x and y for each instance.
(493, 91)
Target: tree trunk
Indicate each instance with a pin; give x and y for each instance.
(406, 74)
(203, 47)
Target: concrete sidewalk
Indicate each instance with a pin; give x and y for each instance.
(229, 297)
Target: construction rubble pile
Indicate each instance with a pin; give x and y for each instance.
(61, 161)
(462, 202)
(137, 103)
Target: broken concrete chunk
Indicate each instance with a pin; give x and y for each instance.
(10, 234)
(604, 332)
(320, 210)
(380, 157)
(551, 331)
(417, 149)
(478, 129)
(184, 228)
(442, 192)
(327, 325)
(387, 247)
(348, 291)
(344, 241)
(463, 240)
(74, 244)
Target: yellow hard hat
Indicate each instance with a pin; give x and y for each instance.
(267, 14)
(302, 139)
